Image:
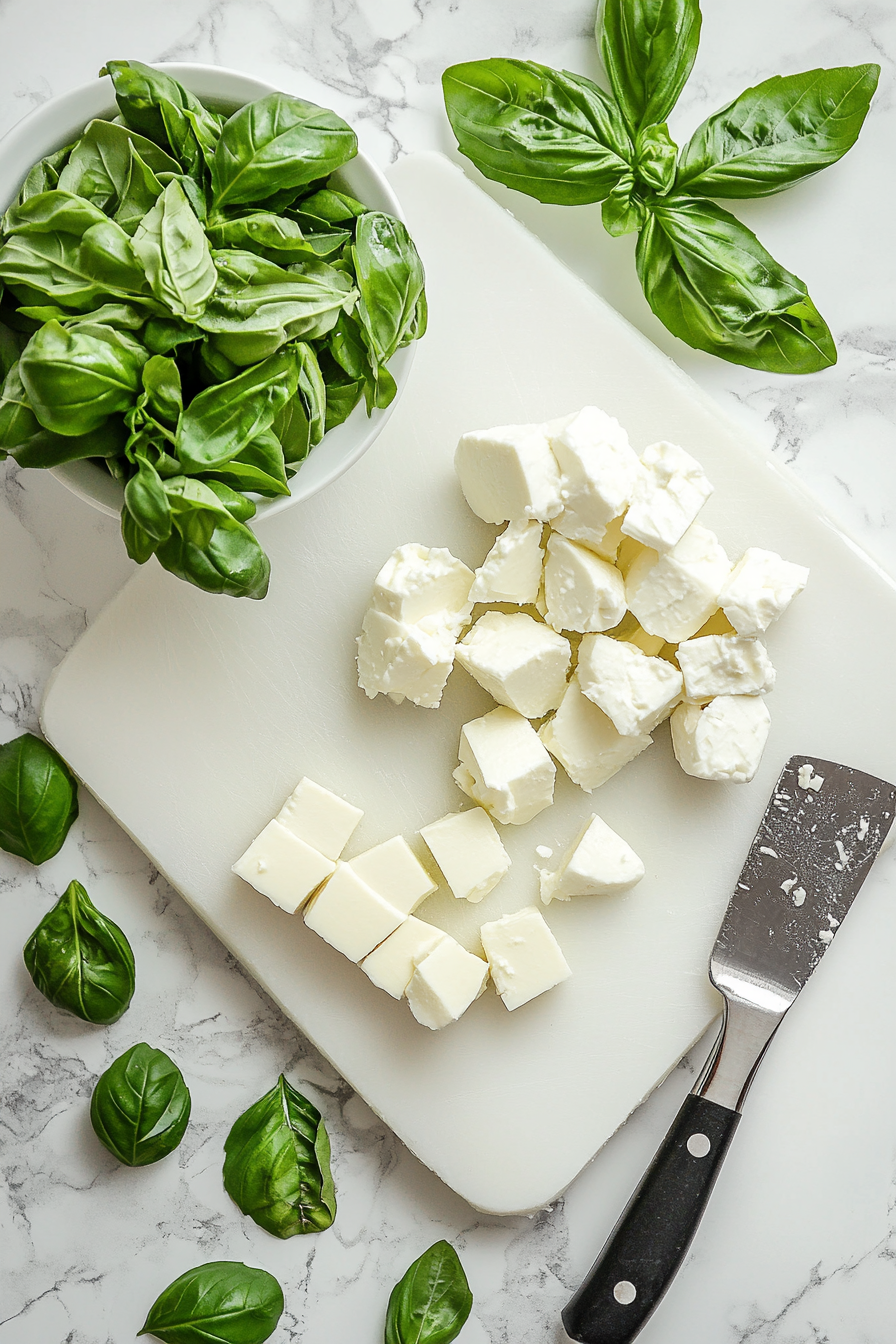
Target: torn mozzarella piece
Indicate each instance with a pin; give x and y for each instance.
(504, 767)
(760, 588)
(417, 582)
(723, 741)
(581, 591)
(597, 473)
(404, 661)
(283, 867)
(469, 852)
(598, 863)
(509, 473)
(584, 741)
(445, 983)
(391, 965)
(519, 661)
(350, 915)
(669, 491)
(636, 691)
(674, 594)
(524, 957)
(511, 572)
(394, 872)
(322, 819)
(724, 665)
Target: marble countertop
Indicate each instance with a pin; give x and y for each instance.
(799, 1244)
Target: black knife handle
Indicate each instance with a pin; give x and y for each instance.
(649, 1242)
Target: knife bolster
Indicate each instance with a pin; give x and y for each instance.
(745, 1035)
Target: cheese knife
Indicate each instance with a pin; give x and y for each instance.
(821, 832)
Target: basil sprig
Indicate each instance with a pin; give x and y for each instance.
(140, 1106)
(38, 798)
(277, 1164)
(431, 1303)
(223, 1302)
(562, 139)
(80, 960)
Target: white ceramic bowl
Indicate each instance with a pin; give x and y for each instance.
(59, 121)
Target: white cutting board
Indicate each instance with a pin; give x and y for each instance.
(191, 717)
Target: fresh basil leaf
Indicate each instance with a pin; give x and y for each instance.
(623, 212)
(223, 420)
(160, 108)
(44, 175)
(431, 1303)
(11, 347)
(147, 502)
(53, 212)
(777, 133)
(231, 561)
(46, 449)
(163, 395)
(390, 280)
(272, 236)
(312, 390)
(655, 156)
(213, 366)
(293, 430)
(141, 191)
(343, 391)
(76, 378)
(164, 334)
(713, 284)
(330, 207)
(277, 1164)
(140, 1106)
(121, 316)
(259, 467)
(275, 143)
(99, 166)
(139, 545)
(554, 135)
(648, 49)
(81, 961)
(171, 244)
(18, 423)
(223, 1302)
(237, 505)
(38, 799)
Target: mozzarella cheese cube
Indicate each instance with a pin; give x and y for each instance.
(511, 572)
(469, 852)
(517, 660)
(283, 867)
(723, 741)
(582, 591)
(323, 820)
(350, 915)
(418, 582)
(674, 594)
(391, 965)
(669, 491)
(636, 691)
(404, 661)
(584, 741)
(504, 767)
(445, 983)
(509, 473)
(760, 588)
(598, 863)
(394, 872)
(523, 956)
(724, 665)
(597, 473)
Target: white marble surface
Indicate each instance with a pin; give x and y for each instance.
(799, 1245)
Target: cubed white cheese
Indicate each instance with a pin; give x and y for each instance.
(322, 819)
(582, 591)
(469, 852)
(524, 957)
(282, 867)
(674, 594)
(517, 660)
(598, 863)
(760, 588)
(723, 741)
(669, 491)
(509, 473)
(585, 742)
(724, 665)
(419, 582)
(636, 691)
(350, 915)
(609, 544)
(404, 661)
(511, 572)
(597, 473)
(445, 983)
(391, 965)
(394, 872)
(504, 767)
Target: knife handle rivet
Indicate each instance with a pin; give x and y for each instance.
(625, 1292)
(698, 1145)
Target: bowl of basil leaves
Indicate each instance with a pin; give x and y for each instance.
(208, 303)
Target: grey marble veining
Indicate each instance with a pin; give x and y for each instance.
(799, 1244)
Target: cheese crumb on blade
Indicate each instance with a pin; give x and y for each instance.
(724, 665)
(391, 965)
(404, 661)
(511, 572)
(419, 582)
(283, 867)
(322, 819)
(636, 691)
(519, 661)
(523, 956)
(724, 741)
(761, 587)
(393, 870)
(469, 852)
(584, 741)
(674, 594)
(350, 915)
(597, 473)
(509, 473)
(445, 983)
(598, 863)
(504, 767)
(581, 591)
(669, 491)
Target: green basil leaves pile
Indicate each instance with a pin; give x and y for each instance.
(562, 139)
(224, 1302)
(81, 961)
(38, 799)
(431, 1303)
(140, 1106)
(192, 301)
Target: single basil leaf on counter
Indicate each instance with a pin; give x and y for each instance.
(551, 134)
(231, 561)
(99, 167)
(76, 378)
(140, 1106)
(171, 244)
(648, 49)
(38, 799)
(277, 1164)
(160, 108)
(223, 1302)
(655, 157)
(713, 284)
(44, 175)
(224, 419)
(275, 143)
(777, 133)
(430, 1305)
(390, 280)
(81, 961)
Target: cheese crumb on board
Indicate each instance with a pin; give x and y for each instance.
(519, 661)
(405, 662)
(635, 691)
(350, 915)
(674, 594)
(511, 572)
(445, 983)
(725, 740)
(504, 767)
(469, 852)
(582, 592)
(807, 779)
(670, 489)
(322, 819)
(424, 582)
(391, 965)
(597, 473)
(524, 957)
(761, 587)
(509, 473)
(393, 870)
(283, 867)
(598, 863)
(724, 665)
(585, 742)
